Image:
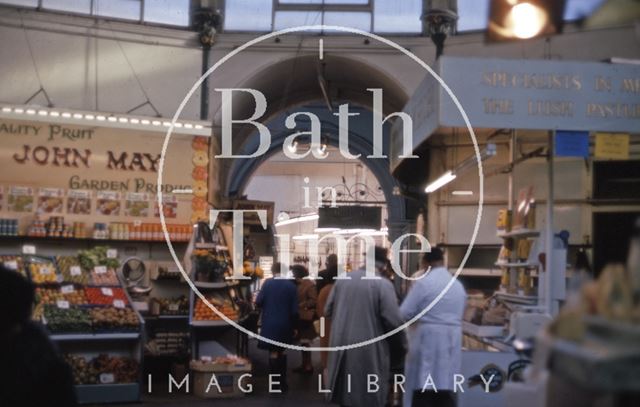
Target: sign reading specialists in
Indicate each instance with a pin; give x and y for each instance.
(541, 94)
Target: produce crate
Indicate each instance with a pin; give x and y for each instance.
(227, 376)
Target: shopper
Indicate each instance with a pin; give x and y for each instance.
(323, 296)
(278, 302)
(34, 373)
(326, 276)
(307, 300)
(435, 340)
(361, 309)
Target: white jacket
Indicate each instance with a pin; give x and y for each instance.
(435, 340)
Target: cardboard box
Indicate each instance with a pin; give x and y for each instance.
(227, 376)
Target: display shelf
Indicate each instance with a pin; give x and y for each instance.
(482, 331)
(107, 393)
(477, 272)
(210, 323)
(517, 298)
(202, 284)
(96, 337)
(519, 234)
(22, 238)
(516, 265)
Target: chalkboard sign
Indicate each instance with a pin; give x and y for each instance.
(350, 217)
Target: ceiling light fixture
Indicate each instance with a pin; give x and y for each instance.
(487, 152)
(304, 218)
(120, 121)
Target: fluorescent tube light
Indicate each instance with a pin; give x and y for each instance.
(444, 179)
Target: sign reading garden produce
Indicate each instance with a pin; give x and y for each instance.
(81, 164)
(94, 158)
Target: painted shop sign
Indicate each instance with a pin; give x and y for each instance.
(95, 158)
(526, 94)
(541, 94)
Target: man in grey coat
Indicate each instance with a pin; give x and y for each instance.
(362, 309)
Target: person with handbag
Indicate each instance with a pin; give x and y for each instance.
(307, 300)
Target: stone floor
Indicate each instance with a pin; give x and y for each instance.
(303, 388)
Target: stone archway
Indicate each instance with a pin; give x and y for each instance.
(292, 83)
(241, 170)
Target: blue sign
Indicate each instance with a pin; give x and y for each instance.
(572, 144)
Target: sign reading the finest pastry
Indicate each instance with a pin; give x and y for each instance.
(541, 94)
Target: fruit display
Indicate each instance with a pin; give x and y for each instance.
(70, 270)
(67, 320)
(114, 319)
(202, 312)
(210, 265)
(42, 270)
(73, 295)
(104, 369)
(13, 263)
(83, 372)
(174, 306)
(105, 295)
(103, 276)
(97, 256)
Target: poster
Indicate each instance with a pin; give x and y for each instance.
(169, 206)
(20, 199)
(136, 205)
(108, 203)
(79, 202)
(50, 200)
(612, 146)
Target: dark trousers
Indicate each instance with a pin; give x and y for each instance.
(443, 398)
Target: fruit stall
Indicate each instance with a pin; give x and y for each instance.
(81, 302)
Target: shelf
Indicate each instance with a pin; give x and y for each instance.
(107, 393)
(210, 323)
(82, 240)
(519, 233)
(482, 331)
(167, 317)
(477, 272)
(95, 337)
(216, 246)
(517, 298)
(202, 284)
(517, 265)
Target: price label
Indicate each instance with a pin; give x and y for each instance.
(59, 278)
(118, 303)
(45, 271)
(112, 254)
(206, 358)
(62, 304)
(75, 271)
(100, 269)
(174, 307)
(107, 291)
(11, 265)
(28, 249)
(67, 289)
(107, 378)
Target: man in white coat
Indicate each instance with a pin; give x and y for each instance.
(435, 340)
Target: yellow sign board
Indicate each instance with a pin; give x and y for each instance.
(612, 146)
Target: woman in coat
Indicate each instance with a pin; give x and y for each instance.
(361, 309)
(307, 299)
(435, 340)
(278, 302)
